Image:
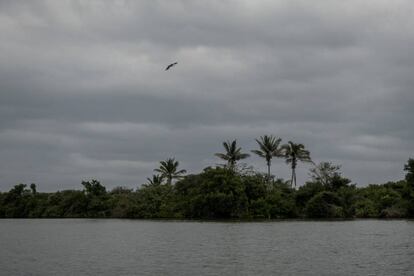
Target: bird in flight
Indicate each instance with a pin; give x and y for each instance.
(171, 65)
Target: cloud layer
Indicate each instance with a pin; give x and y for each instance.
(84, 94)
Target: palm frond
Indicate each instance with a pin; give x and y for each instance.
(258, 152)
(181, 172)
(222, 156)
(242, 156)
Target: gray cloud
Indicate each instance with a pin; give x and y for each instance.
(83, 91)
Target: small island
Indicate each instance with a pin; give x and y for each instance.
(232, 191)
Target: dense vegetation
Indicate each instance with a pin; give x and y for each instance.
(228, 192)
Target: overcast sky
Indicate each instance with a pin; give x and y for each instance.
(84, 94)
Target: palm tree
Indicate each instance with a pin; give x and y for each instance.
(156, 179)
(269, 148)
(294, 153)
(232, 154)
(168, 169)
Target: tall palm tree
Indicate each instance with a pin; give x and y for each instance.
(269, 148)
(232, 154)
(169, 170)
(156, 179)
(294, 153)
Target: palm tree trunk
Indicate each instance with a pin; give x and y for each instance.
(232, 166)
(294, 176)
(293, 180)
(268, 172)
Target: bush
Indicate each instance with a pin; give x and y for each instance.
(281, 205)
(365, 208)
(393, 212)
(324, 205)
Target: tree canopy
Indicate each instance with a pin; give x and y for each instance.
(220, 193)
(232, 191)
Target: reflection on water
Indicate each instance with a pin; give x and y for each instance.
(137, 247)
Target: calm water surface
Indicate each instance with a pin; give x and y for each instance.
(137, 247)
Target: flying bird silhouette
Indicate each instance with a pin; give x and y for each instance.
(171, 65)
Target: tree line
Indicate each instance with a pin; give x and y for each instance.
(230, 191)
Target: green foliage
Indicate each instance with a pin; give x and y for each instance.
(219, 193)
(168, 169)
(155, 180)
(365, 208)
(96, 200)
(293, 153)
(120, 190)
(306, 192)
(93, 188)
(409, 168)
(15, 202)
(215, 193)
(409, 188)
(155, 201)
(281, 205)
(33, 188)
(232, 155)
(348, 196)
(390, 200)
(69, 203)
(324, 205)
(255, 186)
(269, 147)
(329, 175)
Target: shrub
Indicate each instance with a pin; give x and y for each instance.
(324, 205)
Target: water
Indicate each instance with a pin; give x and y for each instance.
(137, 247)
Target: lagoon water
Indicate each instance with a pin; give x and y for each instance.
(140, 247)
